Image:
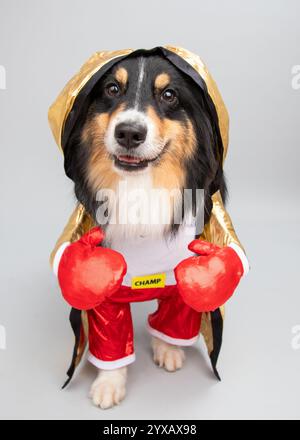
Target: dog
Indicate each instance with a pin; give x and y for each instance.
(145, 124)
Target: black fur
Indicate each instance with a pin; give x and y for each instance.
(205, 169)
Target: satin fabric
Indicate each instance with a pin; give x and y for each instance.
(110, 323)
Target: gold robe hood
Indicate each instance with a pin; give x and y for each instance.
(219, 229)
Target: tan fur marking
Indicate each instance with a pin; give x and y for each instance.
(169, 172)
(122, 76)
(100, 166)
(161, 81)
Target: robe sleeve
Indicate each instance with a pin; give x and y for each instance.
(78, 224)
(219, 230)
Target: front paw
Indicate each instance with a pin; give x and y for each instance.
(166, 355)
(109, 388)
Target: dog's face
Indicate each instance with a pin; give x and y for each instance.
(139, 112)
(144, 116)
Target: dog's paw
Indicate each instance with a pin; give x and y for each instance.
(109, 388)
(166, 355)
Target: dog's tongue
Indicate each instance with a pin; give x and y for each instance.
(129, 159)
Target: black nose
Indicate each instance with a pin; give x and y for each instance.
(130, 135)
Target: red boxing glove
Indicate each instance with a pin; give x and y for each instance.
(207, 281)
(88, 273)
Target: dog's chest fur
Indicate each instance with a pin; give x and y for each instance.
(139, 228)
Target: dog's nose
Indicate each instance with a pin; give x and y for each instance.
(130, 135)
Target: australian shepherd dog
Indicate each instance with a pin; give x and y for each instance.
(144, 127)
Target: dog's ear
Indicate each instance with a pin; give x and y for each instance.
(72, 147)
(207, 126)
(218, 182)
(72, 150)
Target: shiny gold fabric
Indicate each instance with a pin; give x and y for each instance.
(219, 230)
(78, 224)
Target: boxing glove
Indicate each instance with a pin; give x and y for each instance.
(206, 281)
(88, 273)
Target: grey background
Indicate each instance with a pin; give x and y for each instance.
(250, 47)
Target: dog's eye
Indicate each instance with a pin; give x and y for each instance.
(169, 96)
(112, 89)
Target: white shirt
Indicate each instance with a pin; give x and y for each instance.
(147, 255)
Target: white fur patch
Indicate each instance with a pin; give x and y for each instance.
(109, 388)
(135, 211)
(140, 81)
(168, 356)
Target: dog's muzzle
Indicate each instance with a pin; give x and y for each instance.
(132, 141)
(130, 136)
